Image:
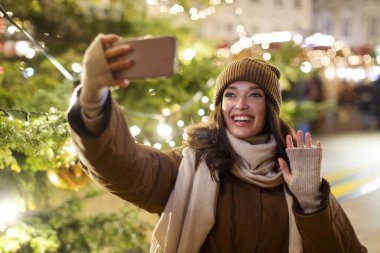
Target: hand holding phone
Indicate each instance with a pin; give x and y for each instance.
(151, 57)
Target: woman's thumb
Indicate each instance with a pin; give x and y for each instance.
(285, 170)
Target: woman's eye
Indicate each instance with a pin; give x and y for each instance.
(255, 94)
(229, 94)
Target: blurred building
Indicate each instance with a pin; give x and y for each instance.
(236, 18)
(229, 20)
(357, 22)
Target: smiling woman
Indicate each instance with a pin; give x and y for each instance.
(239, 183)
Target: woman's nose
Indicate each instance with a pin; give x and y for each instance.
(241, 104)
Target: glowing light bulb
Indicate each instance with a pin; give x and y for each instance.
(166, 112)
(76, 67)
(53, 178)
(172, 144)
(188, 54)
(30, 53)
(330, 73)
(267, 56)
(164, 130)
(8, 211)
(157, 145)
(180, 123)
(204, 99)
(151, 2)
(135, 130)
(306, 67)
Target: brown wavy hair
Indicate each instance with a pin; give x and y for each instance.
(210, 142)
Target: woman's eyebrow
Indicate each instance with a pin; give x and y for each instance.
(253, 87)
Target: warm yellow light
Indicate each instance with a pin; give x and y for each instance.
(331, 53)
(318, 54)
(367, 59)
(193, 11)
(215, 2)
(164, 130)
(338, 45)
(205, 99)
(240, 29)
(354, 60)
(151, 2)
(297, 38)
(76, 67)
(267, 56)
(157, 145)
(30, 53)
(180, 123)
(265, 45)
(172, 144)
(9, 211)
(188, 54)
(54, 178)
(135, 130)
(346, 51)
(325, 60)
(12, 29)
(306, 67)
(176, 9)
(166, 112)
(70, 149)
(245, 42)
(330, 73)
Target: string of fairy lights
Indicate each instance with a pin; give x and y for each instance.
(8, 113)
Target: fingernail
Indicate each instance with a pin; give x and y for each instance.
(128, 48)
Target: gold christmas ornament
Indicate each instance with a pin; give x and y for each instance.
(68, 177)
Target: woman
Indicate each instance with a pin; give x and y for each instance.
(238, 185)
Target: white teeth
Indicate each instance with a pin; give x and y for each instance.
(242, 118)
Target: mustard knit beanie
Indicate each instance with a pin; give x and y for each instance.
(252, 70)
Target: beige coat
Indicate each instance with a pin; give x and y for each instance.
(248, 218)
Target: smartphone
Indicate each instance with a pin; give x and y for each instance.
(152, 57)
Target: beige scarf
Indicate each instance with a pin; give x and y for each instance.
(189, 214)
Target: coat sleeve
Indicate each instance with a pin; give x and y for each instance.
(136, 173)
(328, 230)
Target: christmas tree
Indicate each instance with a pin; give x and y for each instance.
(43, 191)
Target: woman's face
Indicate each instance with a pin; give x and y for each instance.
(244, 110)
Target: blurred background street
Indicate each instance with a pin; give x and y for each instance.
(351, 163)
